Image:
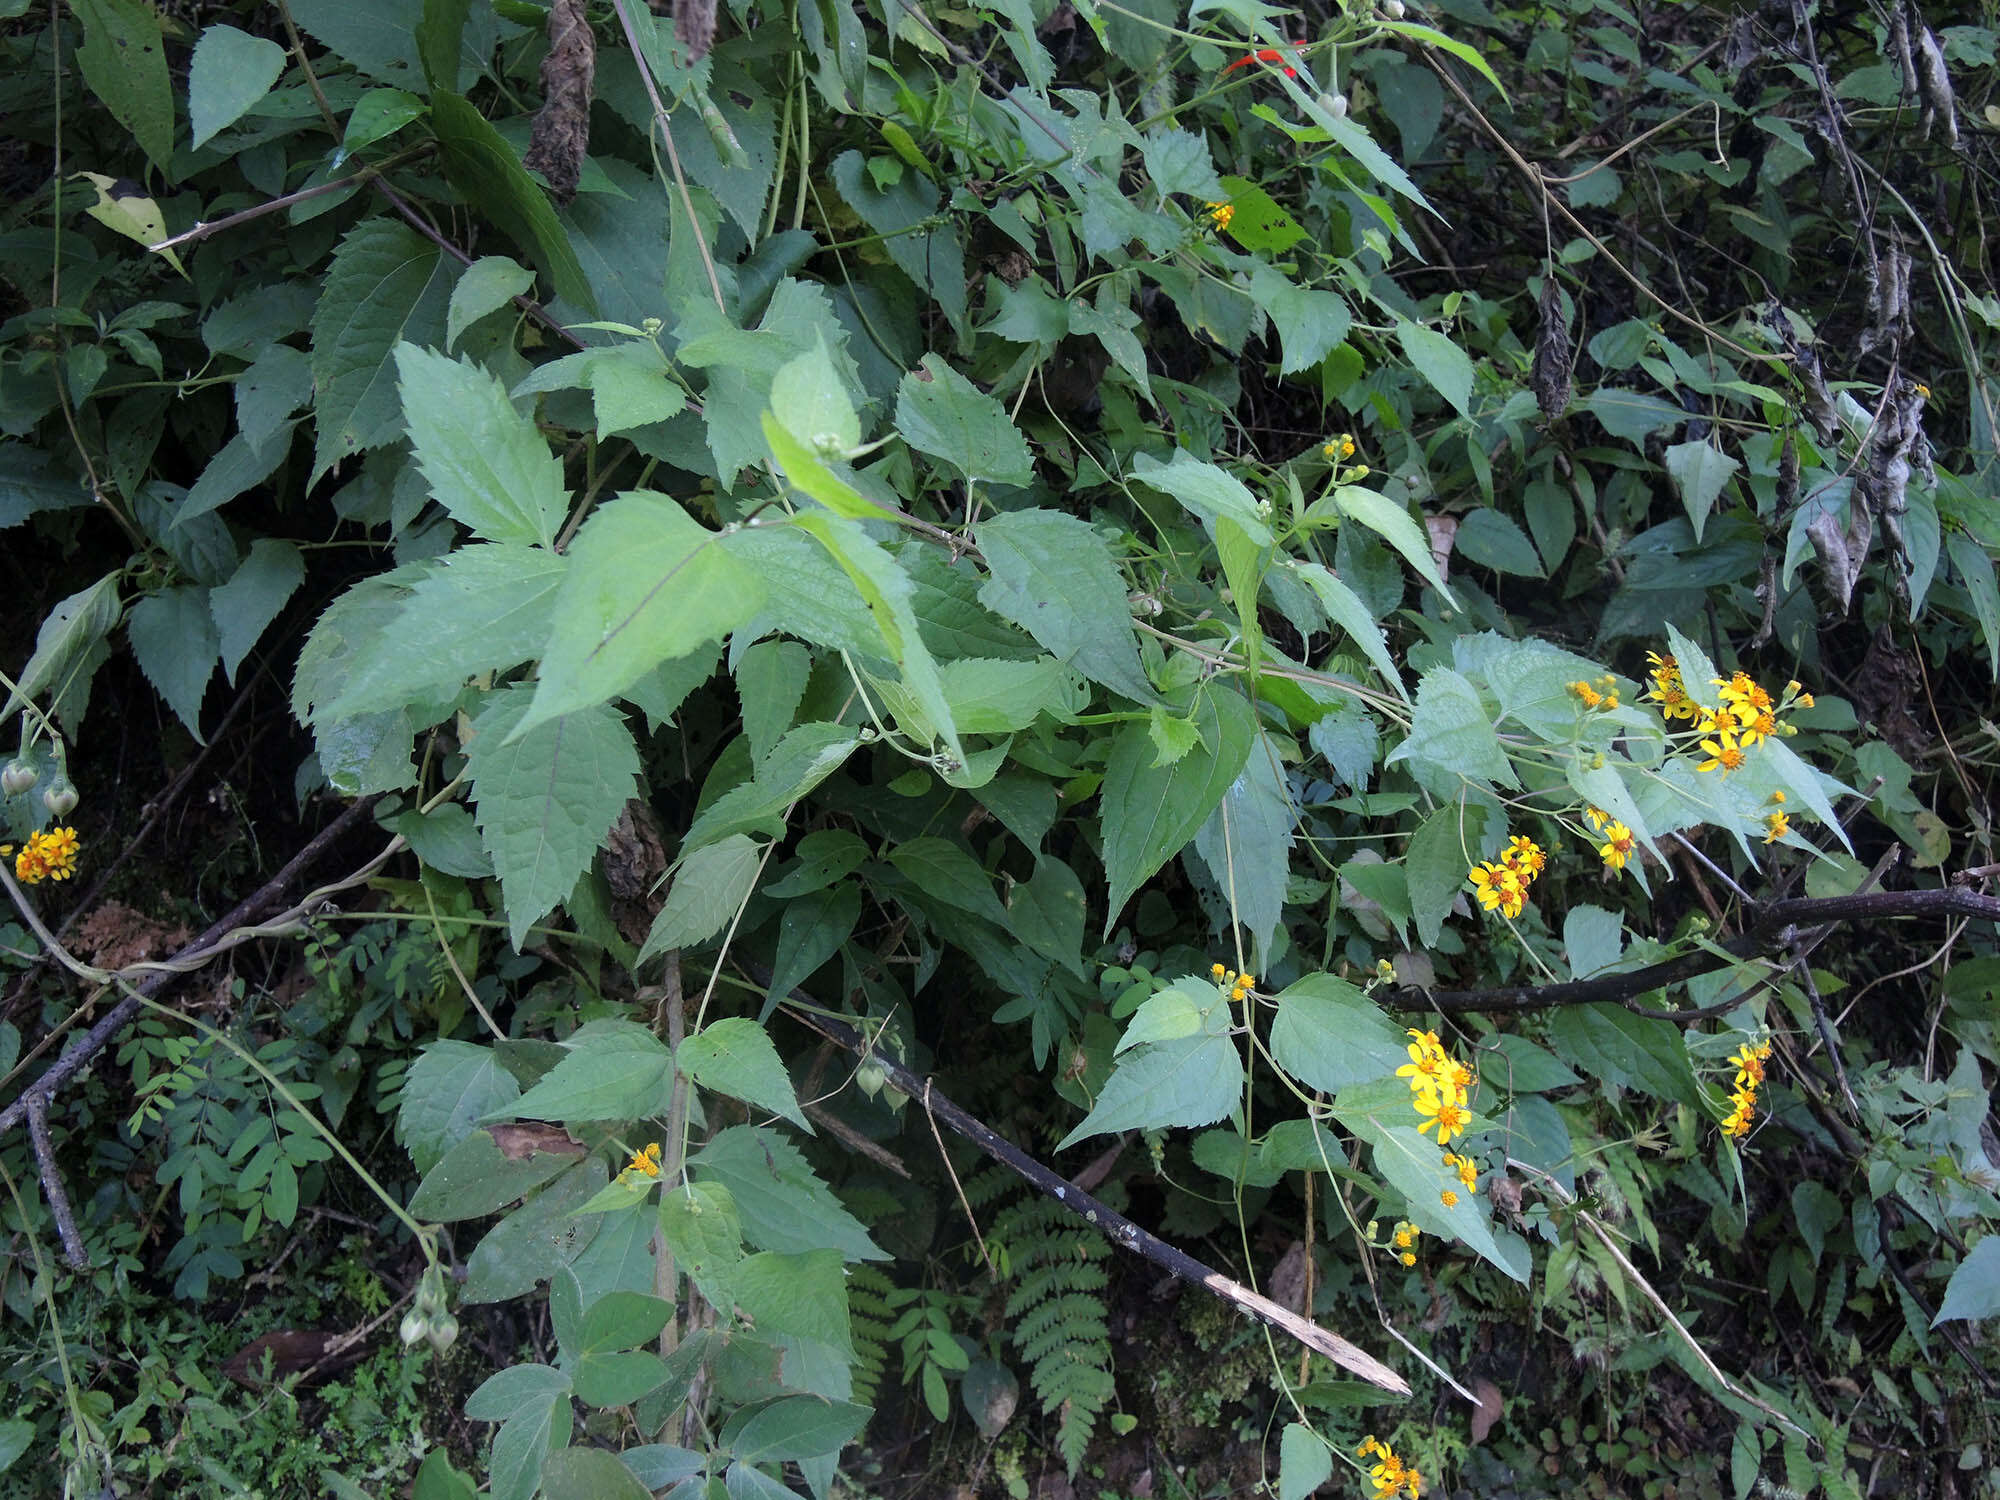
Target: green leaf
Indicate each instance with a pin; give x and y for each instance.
(1442, 363)
(795, 1427)
(1247, 843)
(486, 463)
(174, 639)
(742, 1482)
(1974, 1288)
(124, 60)
(230, 71)
(805, 470)
(278, 383)
(1493, 541)
(1311, 325)
(1608, 1042)
(1207, 491)
(1451, 736)
(1344, 608)
(483, 167)
(1304, 1462)
(629, 384)
(646, 583)
(945, 415)
(711, 886)
(235, 468)
(1975, 571)
(481, 609)
(734, 1056)
(1329, 1036)
(1150, 812)
(379, 114)
(946, 873)
(932, 257)
(1178, 162)
(536, 1240)
(591, 1473)
(1699, 470)
(797, 763)
(1054, 576)
(1259, 223)
(1593, 940)
(30, 483)
(245, 607)
(802, 1295)
(1441, 852)
(475, 1177)
(625, 1081)
(386, 285)
(489, 284)
(450, 1088)
(782, 1204)
(439, 34)
(446, 838)
(812, 402)
(702, 1232)
(1409, 1162)
(999, 697)
(1389, 521)
(1194, 1080)
(547, 798)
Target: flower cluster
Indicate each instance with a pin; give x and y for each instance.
(1591, 695)
(645, 1163)
(1745, 714)
(50, 855)
(1220, 214)
(1468, 1175)
(1340, 448)
(1440, 1086)
(1238, 985)
(1389, 1473)
(1748, 1061)
(1503, 885)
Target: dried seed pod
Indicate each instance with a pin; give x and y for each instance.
(560, 137)
(694, 24)
(1554, 357)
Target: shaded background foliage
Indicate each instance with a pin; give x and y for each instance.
(1690, 318)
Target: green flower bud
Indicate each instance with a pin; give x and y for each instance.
(59, 796)
(20, 776)
(414, 1327)
(443, 1333)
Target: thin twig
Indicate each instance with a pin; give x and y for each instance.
(52, 1185)
(1115, 1226)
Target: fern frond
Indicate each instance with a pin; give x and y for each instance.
(868, 1316)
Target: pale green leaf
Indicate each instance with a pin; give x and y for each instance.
(450, 1088)
(1699, 470)
(1444, 848)
(1196, 1080)
(804, 1295)
(646, 583)
(734, 1056)
(945, 415)
(711, 886)
(1452, 736)
(486, 463)
(1206, 491)
(1329, 1036)
(1054, 576)
(1390, 522)
(1247, 844)
(230, 71)
(1974, 1289)
(489, 284)
(1304, 1462)
(1345, 609)
(782, 1205)
(627, 1080)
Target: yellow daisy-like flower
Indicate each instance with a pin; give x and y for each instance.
(1721, 751)
(1589, 695)
(50, 855)
(1221, 213)
(1776, 826)
(1341, 447)
(1524, 857)
(1468, 1174)
(1617, 846)
(1450, 1119)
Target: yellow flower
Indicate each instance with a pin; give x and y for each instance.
(1776, 826)
(1524, 857)
(1221, 213)
(1450, 1119)
(46, 856)
(1617, 847)
(1721, 751)
(1341, 447)
(1404, 1236)
(646, 1162)
(1778, 797)
(1412, 1480)
(1216, 971)
(1468, 1174)
(1408, 1260)
(1449, 1198)
(1590, 695)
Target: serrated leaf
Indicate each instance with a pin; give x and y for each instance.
(930, 255)
(1247, 843)
(734, 1056)
(1178, 162)
(796, 1427)
(1974, 1288)
(446, 839)
(489, 284)
(1611, 1043)
(1330, 1036)
(173, 638)
(476, 1177)
(537, 1239)
(811, 400)
(945, 415)
(1150, 812)
(486, 463)
(1194, 1080)
(804, 1295)
(593, 1473)
(1452, 736)
(800, 761)
(699, 1223)
(711, 885)
(277, 384)
(782, 1204)
(621, 1078)
(547, 798)
(1441, 852)
(1206, 491)
(230, 71)
(450, 1088)
(946, 873)
(481, 609)
(252, 598)
(1054, 577)
(1390, 522)
(386, 284)
(646, 583)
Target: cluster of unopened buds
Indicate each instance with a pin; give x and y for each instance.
(1603, 694)
(1748, 1060)
(429, 1317)
(1745, 713)
(1440, 1089)
(1240, 986)
(48, 855)
(1337, 451)
(1502, 885)
(1390, 1474)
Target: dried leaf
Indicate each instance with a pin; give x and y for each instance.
(1554, 355)
(561, 135)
